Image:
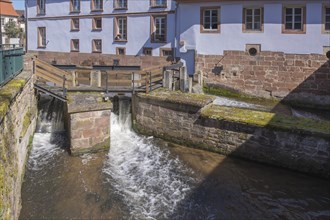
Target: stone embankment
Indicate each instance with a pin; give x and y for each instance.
(18, 111)
(190, 119)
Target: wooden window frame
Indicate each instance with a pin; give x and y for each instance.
(324, 6)
(72, 24)
(39, 12)
(261, 30)
(202, 10)
(153, 28)
(116, 29)
(96, 9)
(116, 7)
(154, 5)
(71, 7)
(94, 46)
(161, 51)
(72, 47)
(303, 25)
(145, 49)
(94, 22)
(120, 48)
(40, 45)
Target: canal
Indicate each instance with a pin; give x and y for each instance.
(147, 178)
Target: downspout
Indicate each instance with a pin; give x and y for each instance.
(26, 26)
(175, 30)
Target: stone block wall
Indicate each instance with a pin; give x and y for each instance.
(89, 131)
(18, 113)
(89, 59)
(295, 77)
(87, 122)
(186, 125)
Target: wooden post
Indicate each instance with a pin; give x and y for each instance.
(190, 83)
(182, 79)
(99, 79)
(147, 83)
(73, 78)
(133, 83)
(150, 82)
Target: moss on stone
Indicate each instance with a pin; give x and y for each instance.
(26, 122)
(8, 92)
(178, 97)
(267, 119)
(219, 91)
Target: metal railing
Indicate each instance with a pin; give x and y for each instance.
(11, 63)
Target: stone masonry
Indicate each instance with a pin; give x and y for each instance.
(87, 59)
(17, 126)
(88, 122)
(184, 124)
(295, 77)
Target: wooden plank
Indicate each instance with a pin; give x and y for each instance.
(42, 72)
(120, 81)
(51, 68)
(156, 79)
(83, 79)
(160, 67)
(48, 79)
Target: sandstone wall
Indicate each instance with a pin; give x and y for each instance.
(87, 122)
(88, 59)
(295, 77)
(18, 110)
(184, 124)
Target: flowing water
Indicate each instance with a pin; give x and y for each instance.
(146, 178)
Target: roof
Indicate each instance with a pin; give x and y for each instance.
(6, 8)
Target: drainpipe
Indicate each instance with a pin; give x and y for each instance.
(175, 29)
(0, 30)
(26, 26)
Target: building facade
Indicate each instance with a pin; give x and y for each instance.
(7, 13)
(182, 28)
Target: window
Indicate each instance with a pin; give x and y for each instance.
(166, 52)
(120, 4)
(97, 23)
(2, 21)
(42, 37)
(120, 29)
(294, 20)
(97, 5)
(97, 46)
(252, 19)
(41, 7)
(75, 5)
(159, 29)
(75, 24)
(121, 51)
(158, 3)
(147, 51)
(326, 19)
(11, 20)
(75, 45)
(210, 20)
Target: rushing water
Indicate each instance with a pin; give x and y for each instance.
(146, 178)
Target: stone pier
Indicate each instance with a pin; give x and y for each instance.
(88, 122)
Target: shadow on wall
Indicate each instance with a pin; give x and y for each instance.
(238, 189)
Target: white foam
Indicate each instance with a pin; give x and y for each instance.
(149, 179)
(234, 103)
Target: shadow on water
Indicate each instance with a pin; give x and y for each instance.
(241, 189)
(147, 178)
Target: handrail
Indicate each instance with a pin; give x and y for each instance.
(11, 64)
